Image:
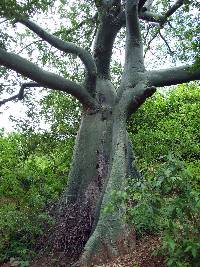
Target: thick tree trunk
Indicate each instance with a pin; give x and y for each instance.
(102, 161)
(103, 155)
(110, 236)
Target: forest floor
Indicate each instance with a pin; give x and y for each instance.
(142, 256)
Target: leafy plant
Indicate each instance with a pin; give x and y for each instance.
(167, 204)
(32, 176)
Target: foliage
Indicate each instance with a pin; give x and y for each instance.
(169, 121)
(35, 167)
(166, 201)
(34, 170)
(167, 204)
(12, 8)
(61, 113)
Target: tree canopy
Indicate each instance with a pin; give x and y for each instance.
(170, 28)
(97, 62)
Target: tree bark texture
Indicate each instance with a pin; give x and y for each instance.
(102, 161)
(103, 155)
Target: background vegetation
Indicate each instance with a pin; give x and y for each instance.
(165, 133)
(165, 202)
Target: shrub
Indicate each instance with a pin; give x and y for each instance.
(168, 204)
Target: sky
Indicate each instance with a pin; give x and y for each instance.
(12, 109)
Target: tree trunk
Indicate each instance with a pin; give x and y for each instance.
(103, 155)
(102, 161)
(110, 236)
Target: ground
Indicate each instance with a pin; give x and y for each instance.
(142, 256)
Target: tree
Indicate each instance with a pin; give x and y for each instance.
(103, 154)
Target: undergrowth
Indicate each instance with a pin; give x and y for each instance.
(166, 203)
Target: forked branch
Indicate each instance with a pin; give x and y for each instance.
(66, 47)
(20, 95)
(159, 18)
(135, 96)
(172, 10)
(173, 76)
(45, 78)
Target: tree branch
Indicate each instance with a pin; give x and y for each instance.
(172, 76)
(135, 96)
(150, 41)
(161, 19)
(67, 47)
(134, 60)
(139, 99)
(145, 5)
(172, 10)
(165, 41)
(147, 16)
(141, 4)
(45, 78)
(109, 26)
(151, 16)
(20, 95)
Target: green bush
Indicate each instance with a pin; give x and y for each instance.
(35, 166)
(166, 200)
(166, 204)
(34, 170)
(167, 122)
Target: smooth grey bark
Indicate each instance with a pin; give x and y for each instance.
(111, 236)
(67, 47)
(103, 157)
(104, 152)
(173, 76)
(46, 78)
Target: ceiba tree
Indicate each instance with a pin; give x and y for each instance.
(103, 154)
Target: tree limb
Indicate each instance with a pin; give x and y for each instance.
(151, 16)
(147, 16)
(67, 47)
(20, 95)
(108, 27)
(139, 99)
(134, 60)
(161, 19)
(135, 96)
(150, 41)
(172, 10)
(172, 76)
(165, 41)
(45, 78)
(141, 4)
